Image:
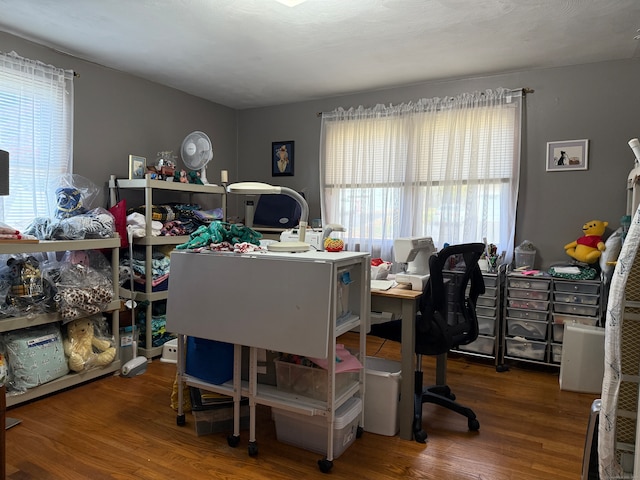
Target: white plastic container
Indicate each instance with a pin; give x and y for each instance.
(582, 363)
(311, 433)
(525, 258)
(170, 351)
(382, 381)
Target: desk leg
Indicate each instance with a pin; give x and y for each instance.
(408, 368)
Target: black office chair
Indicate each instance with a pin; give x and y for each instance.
(436, 331)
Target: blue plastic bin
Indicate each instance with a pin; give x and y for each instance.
(209, 360)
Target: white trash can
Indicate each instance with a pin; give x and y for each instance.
(382, 396)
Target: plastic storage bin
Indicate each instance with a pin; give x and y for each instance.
(309, 381)
(383, 394)
(216, 416)
(483, 345)
(526, 314)
(572, 308)
(529, 293)
(560, 320)
(528, 282)
(525, 258)
(530, 349)
(311, 432)
(486, 325)
(535, 329)
(209, 360)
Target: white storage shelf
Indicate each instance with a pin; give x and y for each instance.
(14, 323)
(149, 186)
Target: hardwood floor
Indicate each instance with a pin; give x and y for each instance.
(121, 428)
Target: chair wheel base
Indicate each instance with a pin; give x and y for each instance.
(474, 424)
(420, 436)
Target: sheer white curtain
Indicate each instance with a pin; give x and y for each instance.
(442, 167)
(36, 128)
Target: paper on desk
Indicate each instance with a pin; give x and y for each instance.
(382, 284)
(346, 363)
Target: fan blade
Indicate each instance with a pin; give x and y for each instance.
(203, 144)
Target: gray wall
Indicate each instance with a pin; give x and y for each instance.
(117, 114)
(598, 102)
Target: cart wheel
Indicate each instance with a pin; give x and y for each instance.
(233, 440)
(420, 436)
(325, 465)
(180, 420)
(359, 431)
(253, 449)
(502, 368)
(474, 424)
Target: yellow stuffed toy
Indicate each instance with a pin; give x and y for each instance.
(83, 349)
(588, 248)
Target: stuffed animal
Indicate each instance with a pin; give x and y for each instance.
(588, 248)
(83, 349)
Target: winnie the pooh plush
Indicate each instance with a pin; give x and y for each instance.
(83, 349)
(589, 247)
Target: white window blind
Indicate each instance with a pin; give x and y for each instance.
(36, 128)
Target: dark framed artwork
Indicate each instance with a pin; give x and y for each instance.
(282, 159)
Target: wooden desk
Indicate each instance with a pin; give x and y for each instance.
(403, 302)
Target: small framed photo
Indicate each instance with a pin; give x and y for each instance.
(567, 155)
(137, 167)
(282, 159)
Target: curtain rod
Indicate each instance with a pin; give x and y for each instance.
(524, 90)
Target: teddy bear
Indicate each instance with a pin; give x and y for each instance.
(83, 349)
(589, 247)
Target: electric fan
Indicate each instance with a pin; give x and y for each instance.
(196, 152)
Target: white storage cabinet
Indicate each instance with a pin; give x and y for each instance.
(537, 309)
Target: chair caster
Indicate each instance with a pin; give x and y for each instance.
(233, 440)
(502, 368)
(180, 420)
(474, 424)
(253, 449)
(420, 436)
(325, 465)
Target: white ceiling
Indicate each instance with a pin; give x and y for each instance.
(253, 53)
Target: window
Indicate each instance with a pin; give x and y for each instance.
(36, 128)
(444, 168)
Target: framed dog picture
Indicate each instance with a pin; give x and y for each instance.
(282, 159)
(567, 155)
